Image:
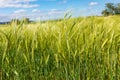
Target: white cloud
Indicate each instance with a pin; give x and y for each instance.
(17, 4)
(93, 3)
(48, 12)
(63, 2)
(20, 11)
(35, 14)
(55, 11)
(4, 18)
(49, 0)
(36, 11)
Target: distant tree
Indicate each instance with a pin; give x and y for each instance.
(117, 9)
(15, 21)
(25, 20)
(105, 12)
(111, 9)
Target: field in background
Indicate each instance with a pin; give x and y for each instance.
(70, 49)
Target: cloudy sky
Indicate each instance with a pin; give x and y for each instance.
(49, 9)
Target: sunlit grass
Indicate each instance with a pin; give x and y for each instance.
(70, 49)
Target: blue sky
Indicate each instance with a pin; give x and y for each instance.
(50, 9)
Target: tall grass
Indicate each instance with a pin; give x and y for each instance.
(71, 49)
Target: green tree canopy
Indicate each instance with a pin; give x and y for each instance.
(111, 9)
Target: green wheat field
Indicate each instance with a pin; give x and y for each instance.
(86, 48)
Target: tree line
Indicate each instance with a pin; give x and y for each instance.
(111, 9)
(17, 21)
